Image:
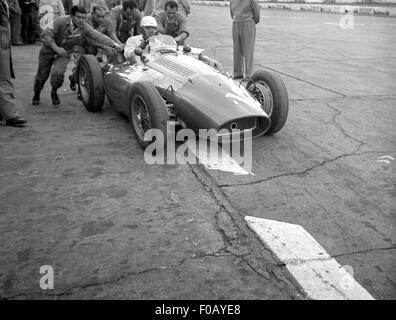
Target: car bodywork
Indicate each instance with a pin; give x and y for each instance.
(197, 95)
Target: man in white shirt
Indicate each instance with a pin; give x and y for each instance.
(148, 27)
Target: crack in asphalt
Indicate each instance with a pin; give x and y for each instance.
(364, 251)
(233, 238)
(340, 127)
(219, 253)
(305, 81)
(304, 172)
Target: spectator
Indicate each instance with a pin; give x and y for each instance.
(89, 4)
(15, 21)
(113, 3)
(245, 15)
(171, 22)
(8, 110)
(67, 5)
(29, 25)
(146, 7)
(68, 35)
(126, 20)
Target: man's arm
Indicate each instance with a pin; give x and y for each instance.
(113, 17)
(47, 37)
(111, 31)
(91, 34)
(256, 10)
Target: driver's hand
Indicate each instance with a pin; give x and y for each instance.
(119, 47)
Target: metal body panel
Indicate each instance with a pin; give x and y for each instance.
(203, 97)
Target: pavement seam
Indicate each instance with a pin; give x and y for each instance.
(302, 80)
(341, 128)
(364, 251)
(254, 246)
(304, 172)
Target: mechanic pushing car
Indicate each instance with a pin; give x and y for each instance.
(67, 37)
(148, 26)
(172, 23)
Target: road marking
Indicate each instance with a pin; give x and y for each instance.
(319, 275)
(387, 157)
(339, 24)
(223, 161)
(384, 159)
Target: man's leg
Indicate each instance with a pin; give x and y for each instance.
(238, 58)
(24, 21)
(8, 110)
(46, 58)
(15, 28)
(78, 51)
(57, 77)
(248, 37)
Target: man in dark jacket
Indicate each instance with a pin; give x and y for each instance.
(8, 111)
(68, 36)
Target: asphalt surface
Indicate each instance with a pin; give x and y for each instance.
(76, 194)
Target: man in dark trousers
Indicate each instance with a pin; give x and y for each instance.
(29, 26)
(8, 111)
(15, 21)
(68, 36)
(245, 15)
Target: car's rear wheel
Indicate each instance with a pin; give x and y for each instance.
(147, 111)
(269, 89)
(90, 83)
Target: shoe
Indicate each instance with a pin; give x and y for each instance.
(36, 98)
(79, 96)
(54, 97)
(72, 83)
(16, 122)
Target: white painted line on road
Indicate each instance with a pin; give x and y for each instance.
(384, 161)
(386, 157)
(222, 161)
(338, 24)
(319, 275)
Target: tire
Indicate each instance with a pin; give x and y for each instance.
(148, 103)
(270, 89)
(90, 83)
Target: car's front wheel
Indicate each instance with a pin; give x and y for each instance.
(269, 89)
(147, 111)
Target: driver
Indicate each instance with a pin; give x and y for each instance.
(148, 27)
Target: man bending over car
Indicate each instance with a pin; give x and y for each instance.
(172, 23)
(67, 37)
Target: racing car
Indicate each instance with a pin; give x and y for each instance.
(182, 84)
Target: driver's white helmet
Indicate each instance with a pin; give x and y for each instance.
(148, 21)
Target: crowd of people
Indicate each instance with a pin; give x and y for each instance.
(70, 28)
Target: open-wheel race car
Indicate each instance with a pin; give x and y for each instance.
(180, 84)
